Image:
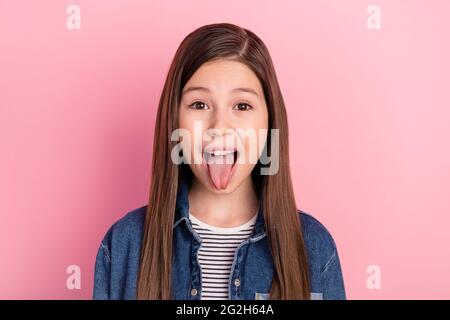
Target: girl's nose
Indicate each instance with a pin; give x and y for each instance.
(220, 121)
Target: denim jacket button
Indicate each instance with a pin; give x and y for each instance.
(237, 282)
(194, 292)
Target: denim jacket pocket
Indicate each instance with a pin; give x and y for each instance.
(265, 296)
(261, 296)
(316, 295)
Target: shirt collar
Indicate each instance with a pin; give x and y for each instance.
(182, 211)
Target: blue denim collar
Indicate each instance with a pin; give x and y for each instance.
(182, 212)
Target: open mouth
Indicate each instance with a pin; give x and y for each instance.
(220, 156)
(220, 165)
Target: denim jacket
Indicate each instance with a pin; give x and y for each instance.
(117, 262)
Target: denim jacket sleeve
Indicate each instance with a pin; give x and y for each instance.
(117, 262)
(326, 278)
(102, 272)
(332, 280)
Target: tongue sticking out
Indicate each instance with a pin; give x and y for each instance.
(219, 169)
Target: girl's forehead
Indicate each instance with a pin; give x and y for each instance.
(224, 75)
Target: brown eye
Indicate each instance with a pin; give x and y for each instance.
(243, 107)
(198, 105)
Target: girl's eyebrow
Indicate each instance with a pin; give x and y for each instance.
(249, 90)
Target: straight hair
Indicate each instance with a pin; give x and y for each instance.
(284, 233)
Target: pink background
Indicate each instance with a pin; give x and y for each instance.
(369, 114)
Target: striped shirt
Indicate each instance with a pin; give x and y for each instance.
(216, 255)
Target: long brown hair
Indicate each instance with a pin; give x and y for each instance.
(282, 223)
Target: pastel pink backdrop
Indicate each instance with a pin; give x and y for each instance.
(369, 114)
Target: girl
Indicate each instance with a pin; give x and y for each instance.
(225, 226)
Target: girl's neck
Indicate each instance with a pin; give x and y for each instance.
(224, 210)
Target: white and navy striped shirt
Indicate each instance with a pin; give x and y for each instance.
(216, 255)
